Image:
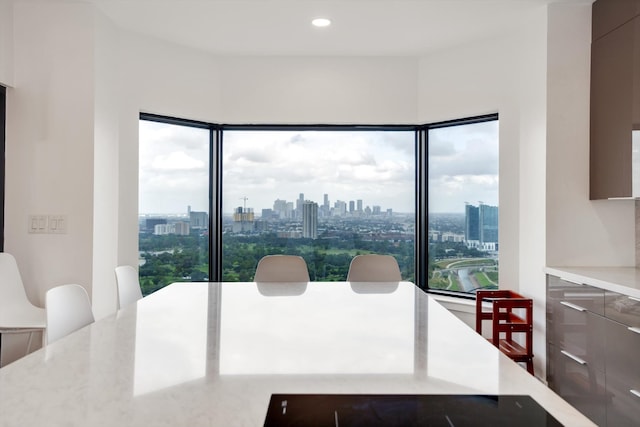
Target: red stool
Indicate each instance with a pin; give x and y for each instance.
(506, 323)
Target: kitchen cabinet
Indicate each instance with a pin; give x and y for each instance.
(610, 14)
(615, 111)
(593, 341)
(615, 100)
(576, 347)
(623, 374)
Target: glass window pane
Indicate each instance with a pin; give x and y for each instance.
(173, 204)
(463, 207)
(326, 195)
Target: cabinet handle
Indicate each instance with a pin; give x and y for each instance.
(574, 358)
(571, 281)
(573, 306)
(634, 329)
(635, 392)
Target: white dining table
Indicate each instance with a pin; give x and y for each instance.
(212, 354)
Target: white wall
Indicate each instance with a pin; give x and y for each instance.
(532, 98)
(506, 75)
(50, 144)
(480, 78)
(579, 232)
(319, 90)
(106, 167)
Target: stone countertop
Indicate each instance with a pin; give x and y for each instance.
(212, 354)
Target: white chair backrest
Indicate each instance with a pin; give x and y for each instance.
(128, 285)
(68, 309)
(282, 268)
(374, 268)
(11, 287)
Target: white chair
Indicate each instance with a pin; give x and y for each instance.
(17, 313)
(282, 268)
(128, 285)
(68, 309)
(374, 268)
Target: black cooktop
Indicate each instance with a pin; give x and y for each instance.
(348, 410)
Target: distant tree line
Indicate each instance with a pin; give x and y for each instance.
(173, 258)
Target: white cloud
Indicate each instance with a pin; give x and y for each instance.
(177, 160)
(376, 167)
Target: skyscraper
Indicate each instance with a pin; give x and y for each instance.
(310, 220)
(243, 220)
(471, 223)
(481, 226)
(488, 223)
(280, 208)
(198, 220)
(299, 205)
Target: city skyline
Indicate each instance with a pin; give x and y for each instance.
(378, 166)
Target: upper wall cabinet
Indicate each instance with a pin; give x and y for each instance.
(610, 14)
(615, 100)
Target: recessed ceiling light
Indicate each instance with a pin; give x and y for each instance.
(321, 22)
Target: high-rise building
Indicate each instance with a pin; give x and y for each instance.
(488, 223)
(163, 229)
(267, 214)
(481, 226)
(198, 220)
(280, 208)
(325, 209)
(243, 220)
(359, 205)
(352, 206)
(150, 223)
(181, 228)
(299, 204)
(340, 208)
(310, 220)
(471, 224)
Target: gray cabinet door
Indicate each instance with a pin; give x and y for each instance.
(612, 89)
(622, 308)
(577, 382)
(610, 14)
(623, 374)
(576, 344)
(583, 296)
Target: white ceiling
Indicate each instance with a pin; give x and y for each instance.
(282, 27)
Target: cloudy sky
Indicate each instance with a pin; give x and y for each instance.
(376, 167)
(463, 166)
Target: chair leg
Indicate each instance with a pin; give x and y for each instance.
(530, 366)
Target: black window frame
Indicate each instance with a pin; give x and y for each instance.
(421, 183)
(3, 127)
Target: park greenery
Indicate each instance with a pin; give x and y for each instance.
(447, 258)
(173, 258)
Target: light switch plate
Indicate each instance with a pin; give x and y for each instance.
(57, 224)
(37, 224)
